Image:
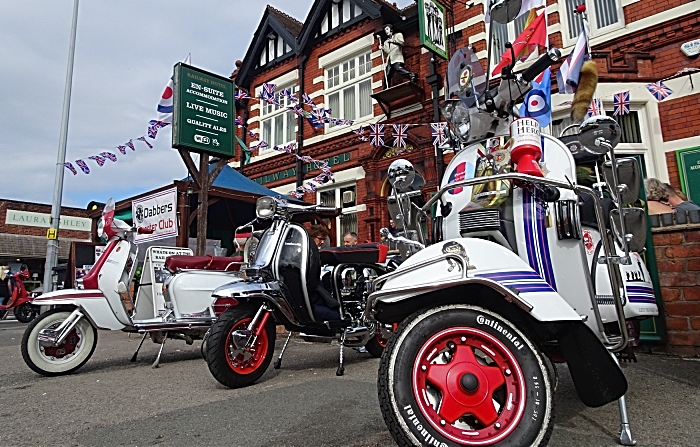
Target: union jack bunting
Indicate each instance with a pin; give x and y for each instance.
(83, 166)
(621, 103)
(360, 131)
(307, 100)
(596, 108)
(400, 132)
(306, 159)
(268, 93)
(154, 126)
(437, 131)
(376, 134)
(100, 160)
(70, 167)
(297, 110)
(131, 145)
(240, 94)
(289, 148)
(150, 146)
(109, 155)
(659, 90)
(285, 93)
(253, 135)
(239, 121)
(261, 145)
(318, 117)
(122, 149)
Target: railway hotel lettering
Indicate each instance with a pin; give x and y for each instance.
(308, 167)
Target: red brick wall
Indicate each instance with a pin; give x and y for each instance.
(39, 208)
(647, 8)
(678, 259)
(672, 165)
(680, 117)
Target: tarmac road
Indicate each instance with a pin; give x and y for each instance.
(112, 402)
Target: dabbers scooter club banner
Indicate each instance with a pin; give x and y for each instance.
(157, 212)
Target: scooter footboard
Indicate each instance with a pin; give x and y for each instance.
(596, 375)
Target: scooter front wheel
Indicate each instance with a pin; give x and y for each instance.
(70, 355)
(460, 375)
(233, 367)
(25, 312)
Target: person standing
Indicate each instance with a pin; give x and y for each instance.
(319, 234)
(393, 51)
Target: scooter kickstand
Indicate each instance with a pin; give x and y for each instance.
(160, 351)
(278, 362)
(341, 367)
(133, 357)
(626, 437)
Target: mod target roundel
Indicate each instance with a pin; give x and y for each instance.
(537, 104)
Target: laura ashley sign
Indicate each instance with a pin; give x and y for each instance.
(29, 219)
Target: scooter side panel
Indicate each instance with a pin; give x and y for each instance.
(110, 275)
(190, 291)
(93, 303)
(487, 260)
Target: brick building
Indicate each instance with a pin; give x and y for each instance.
(335, 58)
(23, 228)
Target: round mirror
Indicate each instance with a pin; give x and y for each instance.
(401, 174)
(599, 133)
(505, 11)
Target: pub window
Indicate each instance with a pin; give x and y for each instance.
(345, 198)
(278, 124)
(349, 86)
(603, 16)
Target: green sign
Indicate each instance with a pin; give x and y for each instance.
(689, 170)
(308, 167)
(433, 27)
(203, 118)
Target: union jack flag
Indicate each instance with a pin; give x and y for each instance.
(154, 126)
(253, 135)
(288, 94)
(70, 167)
(400, 132)
(109, 156)
(596, 108)
(621, 103)
(131, 145)
(261, 145)
(437, 131)
(100, 160)
(306, 159)
(268, 93)
(659, 90)
(239, 121)
(150, 146)
(83, 166)
(319, 117)
(376, 134)
(289, 148)
(122, 149)
(307, 100)
(240, 94)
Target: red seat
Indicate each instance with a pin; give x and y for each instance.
(361, 254)
(207, 262)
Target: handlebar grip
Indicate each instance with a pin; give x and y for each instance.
(144, 230)
(541, 64)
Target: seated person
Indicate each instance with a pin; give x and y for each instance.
(663, 198)
(324, 306)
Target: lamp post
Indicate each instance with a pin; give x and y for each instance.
(52, 245)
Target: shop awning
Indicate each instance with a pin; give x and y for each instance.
(23, 246)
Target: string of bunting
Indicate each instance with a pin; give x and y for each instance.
(102, 157)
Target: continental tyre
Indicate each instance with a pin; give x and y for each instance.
(460, 375)
(232, 367)
(76, 349)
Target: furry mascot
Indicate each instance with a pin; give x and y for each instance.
(587, 83)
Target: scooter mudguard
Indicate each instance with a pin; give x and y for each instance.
(247, 291)
(92, 302)
(488, 264)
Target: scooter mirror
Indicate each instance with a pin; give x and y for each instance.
(505, 11)
(401, 174)
(628, 176)
(635, 228)
(599, 134)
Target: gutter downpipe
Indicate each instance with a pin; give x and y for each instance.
(300, 134)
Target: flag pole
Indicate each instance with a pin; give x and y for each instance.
(52, 234)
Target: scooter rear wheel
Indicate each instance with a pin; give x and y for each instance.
(236, 368)
(25, 312)
(65, 358)
(460, 375)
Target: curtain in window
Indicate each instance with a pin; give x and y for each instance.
(349, 103)
(289, 135)
(500, 37)
(365, 99)
(327, 198)
(606, 12)
(279, 130)
(573, 21)
(629, 124)
(267, 131)
(348, 223)
(334, 104)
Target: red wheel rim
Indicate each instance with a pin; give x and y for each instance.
(246, 361)
(473, 396)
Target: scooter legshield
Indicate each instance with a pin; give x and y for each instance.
(92, 302)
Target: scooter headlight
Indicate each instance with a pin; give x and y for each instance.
(265, 207)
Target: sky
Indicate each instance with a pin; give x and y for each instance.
(124, 56)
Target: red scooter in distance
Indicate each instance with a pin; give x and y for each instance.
(20, 301)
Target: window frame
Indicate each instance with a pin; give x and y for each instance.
(336, 83)
(270, 112)
(355, 209)
(593, 30)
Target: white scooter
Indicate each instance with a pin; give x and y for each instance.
(63, 338)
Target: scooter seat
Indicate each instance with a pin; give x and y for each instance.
(208, 262)
(361, 254)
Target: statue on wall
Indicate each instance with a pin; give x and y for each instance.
(392, 48)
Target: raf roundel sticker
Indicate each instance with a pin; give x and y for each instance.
(454, 248)
(537, 104)
(465, 78)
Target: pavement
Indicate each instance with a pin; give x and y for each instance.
(112, 402)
